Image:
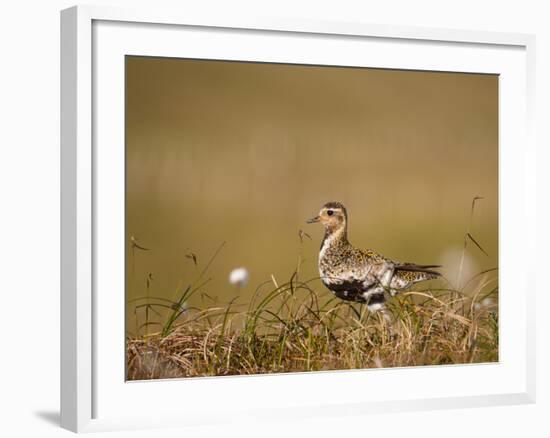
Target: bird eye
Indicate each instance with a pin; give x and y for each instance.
(330, 212)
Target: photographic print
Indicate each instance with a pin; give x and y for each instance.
(300, 218)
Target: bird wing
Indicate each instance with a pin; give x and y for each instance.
(405, 273)
(355, 269)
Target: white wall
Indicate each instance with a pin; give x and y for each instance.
(29, 219)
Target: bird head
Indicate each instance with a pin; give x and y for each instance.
(333, 215)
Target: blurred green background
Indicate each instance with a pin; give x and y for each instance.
(246, 152)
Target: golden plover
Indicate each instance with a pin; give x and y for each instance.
(356, 275)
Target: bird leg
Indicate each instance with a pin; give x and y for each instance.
(380, 307)
(381, 285)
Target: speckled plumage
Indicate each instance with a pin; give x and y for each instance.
(361, 275)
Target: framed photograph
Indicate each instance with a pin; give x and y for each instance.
(257, 208)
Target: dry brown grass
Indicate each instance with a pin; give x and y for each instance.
(288, 329)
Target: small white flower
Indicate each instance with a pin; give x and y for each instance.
(239, 277)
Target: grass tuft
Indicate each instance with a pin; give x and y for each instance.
(291, 328)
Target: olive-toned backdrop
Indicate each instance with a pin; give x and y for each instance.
(246, 152)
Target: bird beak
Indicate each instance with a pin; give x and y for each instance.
(313, 220)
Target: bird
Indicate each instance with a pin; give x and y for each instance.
(357, 275)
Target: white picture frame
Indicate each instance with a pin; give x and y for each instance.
(93, 391)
